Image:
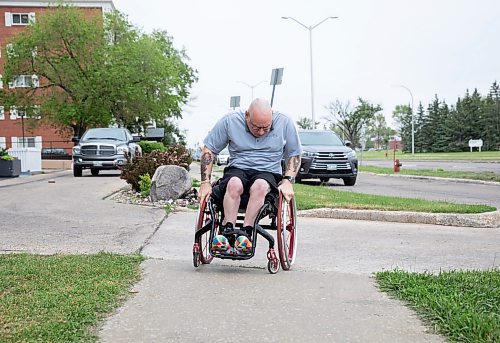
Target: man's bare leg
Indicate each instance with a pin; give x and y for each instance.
(232, 200)
(258, 193)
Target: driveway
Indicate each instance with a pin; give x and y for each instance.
(329, 295)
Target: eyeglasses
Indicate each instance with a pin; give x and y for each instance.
(260, 128)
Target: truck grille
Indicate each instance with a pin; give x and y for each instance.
(98, 150)
(331, 161)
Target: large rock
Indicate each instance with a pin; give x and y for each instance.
(170, 182)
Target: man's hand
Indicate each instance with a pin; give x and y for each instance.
(205, 191)
(286, 188)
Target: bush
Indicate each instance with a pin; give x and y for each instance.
(148, 147)
(145, 184)
(148, 163)
(5, 156)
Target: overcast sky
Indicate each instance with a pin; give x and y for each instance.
(432, 47)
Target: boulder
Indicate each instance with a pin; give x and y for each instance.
(170, 182)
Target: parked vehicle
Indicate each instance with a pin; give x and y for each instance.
(222, 157)
(55, 154)
(326, 156)
(104, 148)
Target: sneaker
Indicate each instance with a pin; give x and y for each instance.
(243, 244)
(220, 243)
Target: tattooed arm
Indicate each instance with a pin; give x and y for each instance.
(206, 173)
(292, 168)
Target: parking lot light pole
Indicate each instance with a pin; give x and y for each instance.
(252, 86)
(412, 120)
(310, 28)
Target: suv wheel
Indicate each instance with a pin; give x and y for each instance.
(349, 181)
(77, 171)
(94, 171)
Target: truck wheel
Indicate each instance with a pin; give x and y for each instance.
(349, 181)
(77, 171)
(94, 171)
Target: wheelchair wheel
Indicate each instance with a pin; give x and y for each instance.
(201, 248)
(287, 232)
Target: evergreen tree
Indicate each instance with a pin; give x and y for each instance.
(420, 130)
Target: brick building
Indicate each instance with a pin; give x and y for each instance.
(15, 15)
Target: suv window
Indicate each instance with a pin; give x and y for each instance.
(113, 134)
(319, 138)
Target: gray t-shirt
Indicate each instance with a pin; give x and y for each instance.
(249, 152)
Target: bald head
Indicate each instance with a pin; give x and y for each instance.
(260, 110)
(259, 117)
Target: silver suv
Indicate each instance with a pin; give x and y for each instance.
(326, 156)
(104, 148)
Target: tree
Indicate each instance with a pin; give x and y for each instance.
(349, 121)
(379, 131)
(305, 123)
(95, 73)
(403, 117)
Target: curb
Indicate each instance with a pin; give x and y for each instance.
(420, 177)
(479, 220)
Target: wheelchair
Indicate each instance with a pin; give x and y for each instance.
(278, 215)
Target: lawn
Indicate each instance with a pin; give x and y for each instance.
(309, 197)
(61, 298)
(462, 305)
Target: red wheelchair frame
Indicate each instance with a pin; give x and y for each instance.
(283, 220)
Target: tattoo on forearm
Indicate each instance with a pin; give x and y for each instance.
(293, 164)
(206, 160)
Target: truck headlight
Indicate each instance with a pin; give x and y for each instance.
(76, 150)
(308, 154)
(351, 154)
(122, 150)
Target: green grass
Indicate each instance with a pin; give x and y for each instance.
(462, 305)
(61, 298)
(484, 176)
(309, 197)
(438, 156)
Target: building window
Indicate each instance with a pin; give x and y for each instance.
(20, 19)
(2, 113)
(25, 81)
(14, 19)
(3, 143)
(17, 112)
(29, 142)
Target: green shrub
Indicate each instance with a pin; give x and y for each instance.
(145, 184)
(148, 163)
(148, 147)
(5, 156)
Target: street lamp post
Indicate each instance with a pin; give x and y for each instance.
(412, 120)
(252, 86)
(310, 28)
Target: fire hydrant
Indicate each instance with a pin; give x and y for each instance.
(397, 166)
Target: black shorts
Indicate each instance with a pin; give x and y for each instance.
(248, 177)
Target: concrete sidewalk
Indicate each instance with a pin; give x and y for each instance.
(328, 296)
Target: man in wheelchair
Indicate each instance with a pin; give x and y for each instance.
(257, 139)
